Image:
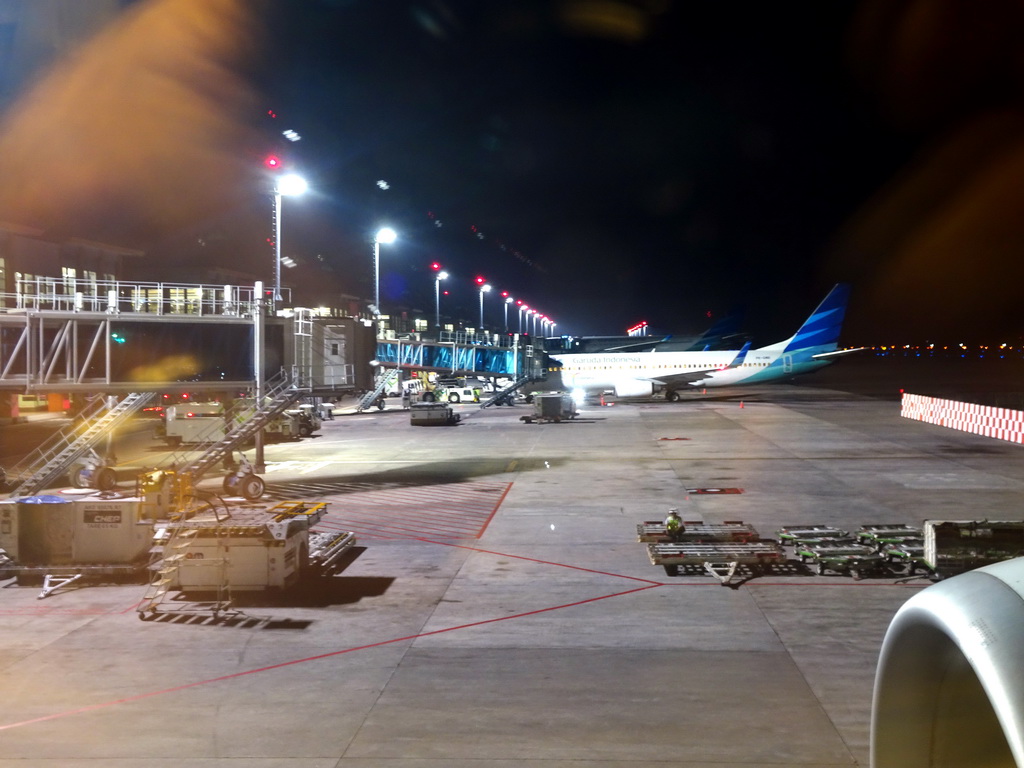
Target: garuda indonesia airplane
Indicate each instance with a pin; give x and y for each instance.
(638, 374)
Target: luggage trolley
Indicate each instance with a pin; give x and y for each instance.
(908, 553)
(842, 556)
(880, 535)
(697, 530)
(719, 559)
(793, 534)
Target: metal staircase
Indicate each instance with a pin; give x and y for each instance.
(50, 460)
(172, 550)
(386, 379)
(244, 420)
(507, 391)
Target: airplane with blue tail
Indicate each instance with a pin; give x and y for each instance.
(640, 374)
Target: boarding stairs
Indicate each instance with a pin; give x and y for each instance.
(506, 392)
(41, 468)
(386, 380)
(244, 420)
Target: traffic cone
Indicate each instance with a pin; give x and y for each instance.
(741, 403)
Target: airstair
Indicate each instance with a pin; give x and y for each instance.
(385, 381)
(41, 468)
(506, 392)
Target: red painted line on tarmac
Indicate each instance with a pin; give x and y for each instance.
(543, 562)
(293, 662)
(508, 487)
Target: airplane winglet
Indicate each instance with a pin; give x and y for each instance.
(740, 356)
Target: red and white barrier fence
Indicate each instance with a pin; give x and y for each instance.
(1000, 423)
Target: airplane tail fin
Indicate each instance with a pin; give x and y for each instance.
(822, 328)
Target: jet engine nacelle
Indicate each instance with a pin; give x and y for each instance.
(634, 388)
(948, 689)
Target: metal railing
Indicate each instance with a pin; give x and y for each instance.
(125, 297)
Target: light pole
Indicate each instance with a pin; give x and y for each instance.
(522, 308)
(442, 275)
(508, 300)
(289, 184)
(387, 236)
(531, 314)
(484, 288)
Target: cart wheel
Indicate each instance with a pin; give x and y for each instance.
(821, 569)
(252, 487)
(147, 615)
(173, 441)
(672, 396)
(671, 570)
(106, 479)
(305, 430)
(454, 398)
(79, 478)
(429, 397)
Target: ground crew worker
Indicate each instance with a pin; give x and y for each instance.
(674, 525)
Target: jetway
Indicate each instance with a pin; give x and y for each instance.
(518, 356)
(122, 338)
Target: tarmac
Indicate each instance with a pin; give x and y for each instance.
(499, 610)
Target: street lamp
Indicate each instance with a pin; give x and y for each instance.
(484, 288)
(442, 275)
(289, 184)
(522, 308)
(508, 300)
(387, 236)
(531, 315)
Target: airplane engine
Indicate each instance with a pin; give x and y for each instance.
(948, 686)
(634, 389)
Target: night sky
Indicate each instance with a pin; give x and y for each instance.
(681, 159)
(607, 161)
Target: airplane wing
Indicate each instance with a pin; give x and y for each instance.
(700, 373)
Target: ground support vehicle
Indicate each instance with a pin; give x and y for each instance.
(239, 549)
(793, 534)
(842, 556)
(432, 415)
(60, 540)
(457, 394)
(697, 530)
(192, 423)
(955, 546)
(551, 407)
(906, 555)
(880, 535)
(719, 559)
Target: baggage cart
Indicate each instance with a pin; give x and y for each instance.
(956, 546)
(792, 534)
(843, 556)
(697, 530)
(880, 535)
(719, 559)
